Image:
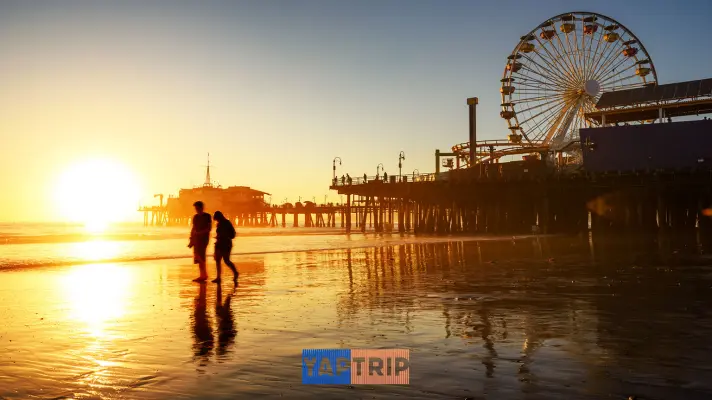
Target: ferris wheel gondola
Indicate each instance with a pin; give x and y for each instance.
(557, 72)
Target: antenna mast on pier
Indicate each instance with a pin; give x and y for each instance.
(207, 174)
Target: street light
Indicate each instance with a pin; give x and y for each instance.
(333, 166)
(379, 166)
(401, 157)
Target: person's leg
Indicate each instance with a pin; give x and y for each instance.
(202, 264)
(231, 265)
(203, 270)
(197, 259)
(218, 266)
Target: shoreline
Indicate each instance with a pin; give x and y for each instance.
(409, 240)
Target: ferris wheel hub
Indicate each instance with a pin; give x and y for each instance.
(592, 88)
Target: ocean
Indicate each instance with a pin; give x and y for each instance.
(40, 245)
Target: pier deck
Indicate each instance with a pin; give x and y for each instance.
(526, 197)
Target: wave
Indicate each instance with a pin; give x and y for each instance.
(10, 239)
(186, 255)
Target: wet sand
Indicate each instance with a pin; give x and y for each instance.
(555, 318)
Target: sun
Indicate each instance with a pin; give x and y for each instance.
(97, 193)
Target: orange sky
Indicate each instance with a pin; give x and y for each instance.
(274, 91)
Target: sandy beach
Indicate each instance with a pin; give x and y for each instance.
(526, 319)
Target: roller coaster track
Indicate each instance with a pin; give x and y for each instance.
(489, 150)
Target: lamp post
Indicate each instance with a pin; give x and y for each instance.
(401, 157)
(379, 168)
(333, 166)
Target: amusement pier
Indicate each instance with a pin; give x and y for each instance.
(602, 146)
(594, 143)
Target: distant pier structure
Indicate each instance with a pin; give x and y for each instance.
(242, 205)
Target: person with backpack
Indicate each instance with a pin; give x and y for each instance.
(223, 245)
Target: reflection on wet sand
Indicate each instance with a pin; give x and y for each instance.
(529, 318)
(226, 323)
(202, 330)
(553, 309)
(203, 335)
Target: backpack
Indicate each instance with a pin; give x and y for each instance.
(232, 232)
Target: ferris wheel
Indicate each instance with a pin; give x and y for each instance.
(557, 72)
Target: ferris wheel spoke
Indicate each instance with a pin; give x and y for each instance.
(571, 57)
(533, 132)
(565, 75)
(549, 86)
(555, 105)
(603, 76)
(609, 83)
(599, 56)
(612, 53)
(610, 63)
(524, 89)
(615, 66)
(549, 73)
(557, 62)
(534, 79)
(582, 53)
(573, 49)
(552, 69)
(532, 99)
(590, 53)
(548, 121)
(593, 55)
(543, 83)
(544, 74)
(564, 60)
(543, 104)
(561, 51)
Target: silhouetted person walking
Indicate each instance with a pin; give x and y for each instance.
(199, 238)
(223, 245)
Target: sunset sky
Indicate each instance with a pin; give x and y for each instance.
(274, 90)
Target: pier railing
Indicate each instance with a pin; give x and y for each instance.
(395, 179)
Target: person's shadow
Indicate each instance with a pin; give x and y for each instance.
(203, 341)
(226, 323)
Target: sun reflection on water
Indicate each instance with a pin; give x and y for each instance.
(97, 295)
(94, 250)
